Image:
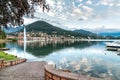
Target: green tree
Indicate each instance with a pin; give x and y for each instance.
(12, 11)
(2, 34)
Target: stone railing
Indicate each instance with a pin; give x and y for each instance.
(4, 63)
(53, 74)
(1, 63)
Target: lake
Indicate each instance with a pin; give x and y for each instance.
(84, 57)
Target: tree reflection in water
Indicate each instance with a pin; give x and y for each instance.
(2, 45)
(44, 48)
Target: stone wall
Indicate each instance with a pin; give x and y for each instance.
(4, 63)
(53, 74)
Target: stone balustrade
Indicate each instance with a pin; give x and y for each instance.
(1, 63)
(4, 63)
(53, 74)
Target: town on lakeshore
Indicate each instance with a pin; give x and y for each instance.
(59, 39)
(39, 36)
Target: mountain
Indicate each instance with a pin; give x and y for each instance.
(114, 34)
(88, 33)
(81, 31)
(50, 29)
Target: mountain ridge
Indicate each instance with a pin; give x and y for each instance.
(82, 31)
(50, 29)
(115, 34)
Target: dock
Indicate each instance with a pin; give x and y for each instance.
(4, 49)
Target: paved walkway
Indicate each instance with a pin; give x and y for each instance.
(24, 71)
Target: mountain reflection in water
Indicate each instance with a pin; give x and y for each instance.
(45, 48)
(87, 58)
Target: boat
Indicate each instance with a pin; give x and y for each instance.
(115, 46)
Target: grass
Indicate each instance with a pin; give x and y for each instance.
(6, 56)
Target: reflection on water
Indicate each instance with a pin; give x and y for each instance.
(87, 58)
(2, 45)
(44, 48)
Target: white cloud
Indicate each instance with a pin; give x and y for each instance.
(63, 17)
(80, 5)
(88, 9)
(88, 12)
(109, 2)
(84, 17)
(79, 14)
(103, 2)
(51, 2)
(77, 11)
(29, 20)
(60, 8)
(118, 4)
(79, 0)
(51, 14)
(89, 2)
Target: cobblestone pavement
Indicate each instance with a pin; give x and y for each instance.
(24, 71)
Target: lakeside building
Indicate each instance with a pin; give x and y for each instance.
(40, 36)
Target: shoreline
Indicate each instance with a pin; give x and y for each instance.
(72, 40)
(7, 56)
(3, 41)
(100, 39)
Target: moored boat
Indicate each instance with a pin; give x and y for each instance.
(115, 46)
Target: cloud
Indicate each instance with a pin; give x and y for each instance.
(63, 17)
(87, 12)
(79, 0)
(80, 13)
(118, 5)
(104, 2)
(51, 2)
(109, 2)
(88, 9)
(51, 13)
(89, 2)
(77, 11)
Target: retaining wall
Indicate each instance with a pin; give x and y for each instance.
(53, 74)
(4, 63)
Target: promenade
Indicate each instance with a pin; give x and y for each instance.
(24, 71)
(40, 71)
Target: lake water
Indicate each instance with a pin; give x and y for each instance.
(87, 58)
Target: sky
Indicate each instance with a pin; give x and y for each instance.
(92, 15)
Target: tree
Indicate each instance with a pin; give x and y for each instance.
(2, 34)
(12, 11)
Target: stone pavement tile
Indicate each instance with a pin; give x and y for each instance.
(24, 71)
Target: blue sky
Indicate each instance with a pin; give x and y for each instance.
(94, 15)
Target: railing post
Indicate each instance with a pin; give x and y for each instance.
(11, 63)
(1, 63)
